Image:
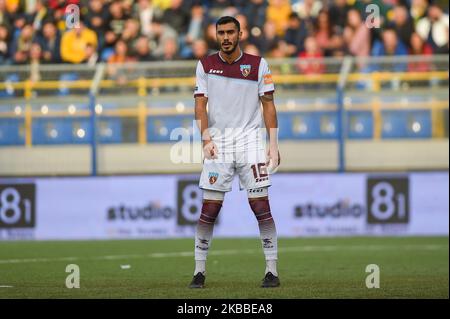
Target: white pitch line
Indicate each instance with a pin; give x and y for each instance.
(4, 286)
(315, 248)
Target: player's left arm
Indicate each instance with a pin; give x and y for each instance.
(271, 122)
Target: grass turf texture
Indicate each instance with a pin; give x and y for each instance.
(413, 267)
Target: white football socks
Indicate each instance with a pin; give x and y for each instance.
(271, 266)
(269, 243)
(203, 238)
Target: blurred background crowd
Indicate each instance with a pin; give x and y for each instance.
(113, 31)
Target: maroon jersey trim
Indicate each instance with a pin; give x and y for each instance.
(245, 68)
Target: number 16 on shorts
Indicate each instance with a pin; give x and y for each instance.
(388, 200)
(17, 205)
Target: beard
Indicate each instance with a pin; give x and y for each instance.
(231, 49)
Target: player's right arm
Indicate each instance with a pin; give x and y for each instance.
(201, 115)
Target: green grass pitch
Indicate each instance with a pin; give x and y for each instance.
(410, 267)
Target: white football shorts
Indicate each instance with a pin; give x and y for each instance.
(218, 174)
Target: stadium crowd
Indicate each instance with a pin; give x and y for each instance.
(113, 31)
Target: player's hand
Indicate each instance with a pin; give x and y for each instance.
(210, 150)
(273, 159)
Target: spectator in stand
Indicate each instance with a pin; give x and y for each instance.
(277, 50)
(356, 35)
(310, 60)
(338, 13)
(199, 49)
(278, 12)
(295, 36)
(127, 7)
(177, 17)
(329, 41)
(252, 49)
(244, 29)
(35, 59)
(142, 50)
(210, 37)
(308, 10)
(220, 4)
(269, 38)
(91, 57)
(196, 25)
(170, 52)
(120, 53)
(130, 34)
(218, 8)
(403, 24)
(194, 31)
(419, 47)
(74, 42)
(96, 19)
(4, 45)
(389, 46)
(161, 33)
(50, 42)
(267, 26)
(18, 21)
(58, 8)
(418, 10)
(162, 4)
(115, 69)
(146, 11)
(22, 45)
(39, 15)
(255, 11)
(116, 23)
(434, 29)
(5, 16)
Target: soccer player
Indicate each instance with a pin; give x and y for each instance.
(234, 84)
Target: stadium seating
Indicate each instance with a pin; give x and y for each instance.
(406, 124)
(160, 127)
(308, 125)
(360, 125)
(311, 125)
(52, 131)
(109, 130)
(9, 91)
(12, 132)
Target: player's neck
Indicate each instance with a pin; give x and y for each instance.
(233, 56)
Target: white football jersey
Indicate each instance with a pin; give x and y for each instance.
(235, 118)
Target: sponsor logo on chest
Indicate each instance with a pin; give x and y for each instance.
(215, 71)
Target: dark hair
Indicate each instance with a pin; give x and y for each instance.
(295, 16)
(228, 19)
(389, 27)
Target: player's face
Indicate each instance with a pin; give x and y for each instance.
(228, 37)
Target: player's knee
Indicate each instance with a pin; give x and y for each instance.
(212, 203)
(261, 208)
(210, 211)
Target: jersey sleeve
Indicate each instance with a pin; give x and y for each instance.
(201, 83)
(265, 82)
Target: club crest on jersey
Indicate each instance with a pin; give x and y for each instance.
(213, 177)
(245, 69)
